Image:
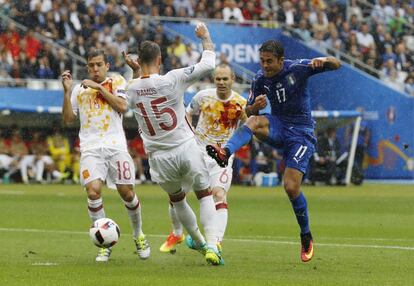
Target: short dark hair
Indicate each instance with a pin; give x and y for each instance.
(95, 53)
(226, 65)
(148, 52)
(274, 47)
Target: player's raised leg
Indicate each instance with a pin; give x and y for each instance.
(176, 236)
(254, 125)
(187, 217)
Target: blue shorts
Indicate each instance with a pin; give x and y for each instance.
(297, 142)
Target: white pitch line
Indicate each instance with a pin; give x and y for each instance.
(396, 247)
(44, 264)
(9, 192)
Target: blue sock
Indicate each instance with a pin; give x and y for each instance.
(300, 207)
(241, 137)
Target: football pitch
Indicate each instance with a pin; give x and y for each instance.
(363, 236)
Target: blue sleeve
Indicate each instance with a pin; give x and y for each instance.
(255, 91)
(304, 68)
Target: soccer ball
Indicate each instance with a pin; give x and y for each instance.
(104, 232)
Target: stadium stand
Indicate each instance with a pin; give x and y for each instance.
(41, 38)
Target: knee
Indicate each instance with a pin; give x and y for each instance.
(219, 195)
(127, 194)
(93, 190)
(253, 123)
(292, 187)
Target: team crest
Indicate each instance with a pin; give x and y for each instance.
(85, 174)
(291, 79)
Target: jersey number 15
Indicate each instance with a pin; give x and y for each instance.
(158, 113)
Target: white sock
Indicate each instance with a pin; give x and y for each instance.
(40, 167)
(56, 174)
(208, 218)
(95, 209)
(177, 227)
(134, 212)
(187, 217)
(222, 216)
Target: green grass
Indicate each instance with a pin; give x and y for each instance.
(363, 236)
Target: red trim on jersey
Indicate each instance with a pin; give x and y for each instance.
(95, 209)
(132, 208)
(189, 125)
(221, 206)
(145, 76)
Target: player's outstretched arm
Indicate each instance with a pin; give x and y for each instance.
(330, 63)
(116, 102)
(207, 61)
(67, 111)
(203, 34)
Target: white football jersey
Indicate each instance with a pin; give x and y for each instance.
(158, 104)
(100, 124)
(218, 119)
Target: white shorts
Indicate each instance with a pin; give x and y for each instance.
(176, 167)
(113, 166)
(219, 177)
(5, 161)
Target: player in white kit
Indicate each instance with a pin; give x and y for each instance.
(100, 102)
(174, 157)
(220, 111)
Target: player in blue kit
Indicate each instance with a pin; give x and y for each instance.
(289, 126)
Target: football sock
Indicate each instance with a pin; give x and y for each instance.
(300, 207)
(177, 227)
(134, 212)
(189, 220)
(95, 209)
(40, 167)
(208, 218)
(241, 137)
(222, 216)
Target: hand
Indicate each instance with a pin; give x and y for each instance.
(90, 83)
(201, 31)
(67, 80)
(260, 102)
(133, 64)
(317, 63)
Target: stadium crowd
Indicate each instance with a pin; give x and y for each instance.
(378, 33)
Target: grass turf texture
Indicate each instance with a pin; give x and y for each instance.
(363, 236)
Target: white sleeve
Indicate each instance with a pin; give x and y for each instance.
(194, 107)
(120, 89)
(129, 93)
(74, 98)
(189, 75)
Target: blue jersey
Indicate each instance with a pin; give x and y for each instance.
(287, 93)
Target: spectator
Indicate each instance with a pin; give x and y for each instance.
(232, 12)
(409, 85)
(190, 57)
(365, 39)
(137, 151)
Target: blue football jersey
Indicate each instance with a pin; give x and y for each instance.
(287, 92)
